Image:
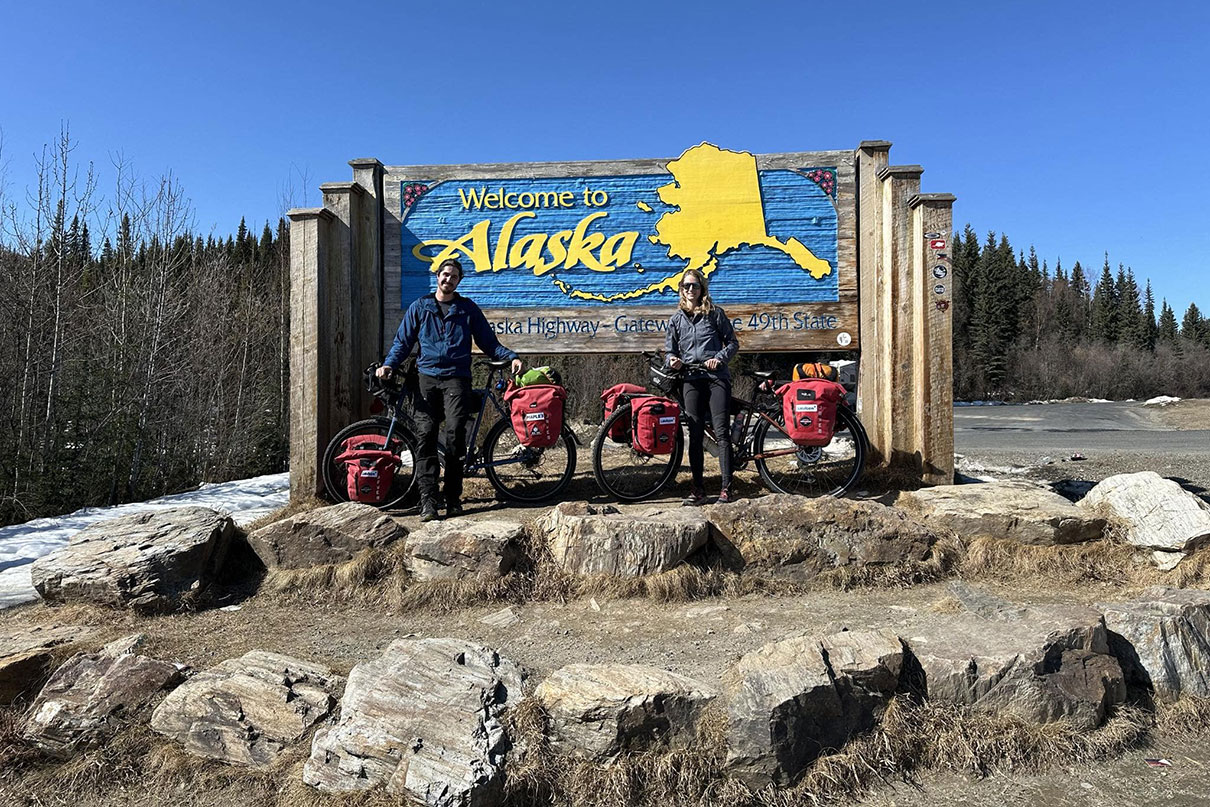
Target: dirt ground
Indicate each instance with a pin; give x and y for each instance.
(699, 638)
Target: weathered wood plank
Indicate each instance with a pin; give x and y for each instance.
(903, 182)
(932, 227)
(872, 157)
(309, 388)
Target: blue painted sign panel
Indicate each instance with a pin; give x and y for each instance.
(762, 237)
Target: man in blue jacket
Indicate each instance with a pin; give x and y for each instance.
(443, 323)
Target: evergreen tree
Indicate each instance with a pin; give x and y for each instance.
(1132, 329)
(1149, 327)
(1192, 325)
(1082, 295)
(1102, 314)
(1167, 331)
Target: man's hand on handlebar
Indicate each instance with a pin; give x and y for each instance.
(517, 365)
(383, 372)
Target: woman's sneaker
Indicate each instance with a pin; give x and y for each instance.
(724, 496)
(695, 499)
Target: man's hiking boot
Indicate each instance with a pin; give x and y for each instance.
(428, 510)
(724, 496)
(695, 499)
(453, 509)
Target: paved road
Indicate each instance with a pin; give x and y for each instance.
(1062, 428)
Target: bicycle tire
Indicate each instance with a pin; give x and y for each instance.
(403, 443)
(541, 474)
(629, 475)
(831, 470)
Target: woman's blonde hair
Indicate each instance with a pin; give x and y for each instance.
(706, 305)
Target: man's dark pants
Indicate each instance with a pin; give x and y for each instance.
(447, 399)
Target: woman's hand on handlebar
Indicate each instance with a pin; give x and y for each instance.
(516, 368)
(675, 362)
(712, 364)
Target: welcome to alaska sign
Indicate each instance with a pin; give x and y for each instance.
(586, 257)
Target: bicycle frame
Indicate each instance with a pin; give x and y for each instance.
(472, 463)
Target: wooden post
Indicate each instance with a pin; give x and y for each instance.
(872, 157)
(898, 431)
(310, 385)
(367, 284)
(343, 199)
(932, 228)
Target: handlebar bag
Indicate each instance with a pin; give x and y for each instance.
(620, 431)
(369, 468)
(809, 409)
(536, 412)
(655, 424)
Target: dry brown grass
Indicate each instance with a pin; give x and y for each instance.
(1108, 561)
(911, 739)
(1187, 717)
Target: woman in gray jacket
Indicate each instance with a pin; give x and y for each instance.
(700, 333)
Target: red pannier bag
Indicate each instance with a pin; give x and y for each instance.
(809, 409)
(620, 431)
(654, 424)
(369, 468)
(536, 411)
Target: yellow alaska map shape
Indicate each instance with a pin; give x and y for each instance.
(719, 209)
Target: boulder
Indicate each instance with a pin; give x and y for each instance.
(587, 539)
(797, 538)
(1012, 510)
(1042, 664)
(1157, 512)
(791, 700)
(324, 535)
(1163, 641)
(93, 695)
(145, 561)
(26, 657)
(448, 550)
(601, 710)
(422, 721)
(246, 710)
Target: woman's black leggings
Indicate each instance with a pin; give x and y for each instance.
(708, 396)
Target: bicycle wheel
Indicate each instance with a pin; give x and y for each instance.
(627, 474)
(403, 443)
(829, 470)
(527, 474)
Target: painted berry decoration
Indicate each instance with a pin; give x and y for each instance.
(413, 192)
(825, 178)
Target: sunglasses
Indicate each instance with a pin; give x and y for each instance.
(691, 285)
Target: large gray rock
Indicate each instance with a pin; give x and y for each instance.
(325, 535)
(26, 657)
(601, 710)
(587, 539)
(1016, 511)
(246, 710)
(1042, 664)
(93, 695)
(798, 538)
(1163, 641)
(791, 700)
(1158, 514)
(448, 550)
(146, 561)
(424, 721)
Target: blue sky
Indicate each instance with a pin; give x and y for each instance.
(1076, 127)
